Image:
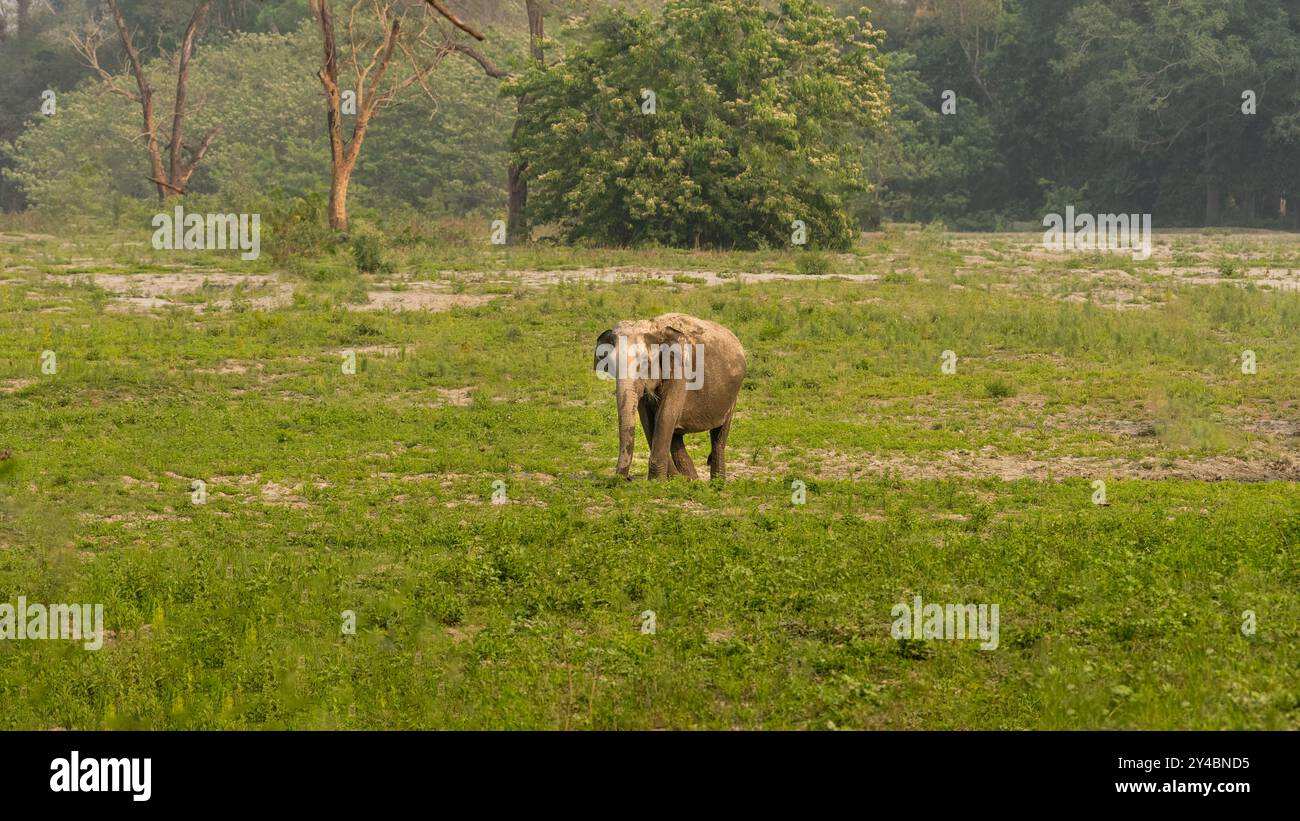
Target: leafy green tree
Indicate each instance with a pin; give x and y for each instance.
(928, 165)
(754, 123)
(1164, 83)
(31, 62)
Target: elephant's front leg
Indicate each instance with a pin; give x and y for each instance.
(626, 438)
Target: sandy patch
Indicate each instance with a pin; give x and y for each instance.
(1116, 299)
(419, 296)
(131, 520)
(161, 285)
(282, 297)
(232, 366)
(236, 480)
(453, 397)
(274, 493)
(540, 478)
(963, 464)
(130, 304)
(147, 292)
(634, 274)
(1278, 279)
(15, 385)
(448, 479)
(457, 397)
(1274, 427)
(279, 494)
(1123, 427)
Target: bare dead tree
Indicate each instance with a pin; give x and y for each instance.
(173, 180)
(376, 87)
(516, 174)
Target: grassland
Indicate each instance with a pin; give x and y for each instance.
(371, 492)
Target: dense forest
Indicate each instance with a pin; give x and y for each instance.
(976, 113)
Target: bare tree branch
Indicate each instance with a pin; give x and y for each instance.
(490, 68)
(180, 173)
(163, 184)
(455, 21)
(87, 46)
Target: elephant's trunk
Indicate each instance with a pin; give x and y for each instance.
(629, 395)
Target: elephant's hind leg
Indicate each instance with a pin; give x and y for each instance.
(647, 423)
(681, 459)
(718, 448)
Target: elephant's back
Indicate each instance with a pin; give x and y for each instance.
(714, 336)
(724, 366)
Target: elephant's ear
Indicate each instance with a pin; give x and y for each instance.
(606, 342)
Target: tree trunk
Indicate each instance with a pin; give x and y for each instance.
(340, 176)
(517, 229)
(517, 204)
(1212, 195)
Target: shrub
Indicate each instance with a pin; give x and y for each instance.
(812, 263)
(758, 121)
(368, 253)
(296, 226)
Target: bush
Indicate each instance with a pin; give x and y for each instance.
(757, 123)
(1230, 269)
(296, 227)
(812, 263)
(998, 388)
(368, 253)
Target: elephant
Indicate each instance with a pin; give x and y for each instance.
(681, 375)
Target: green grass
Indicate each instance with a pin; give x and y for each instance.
(371, 493)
